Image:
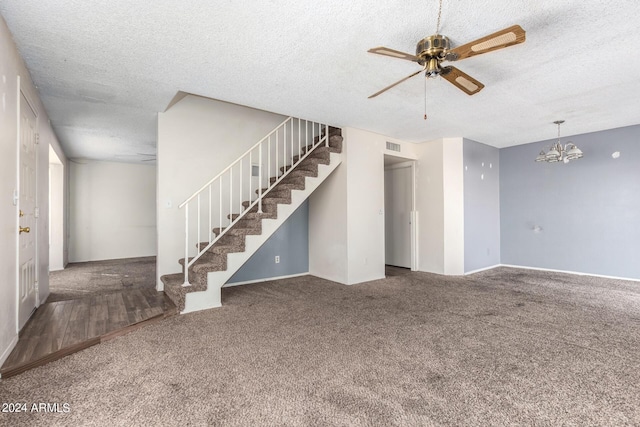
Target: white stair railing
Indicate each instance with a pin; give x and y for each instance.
(248, 179)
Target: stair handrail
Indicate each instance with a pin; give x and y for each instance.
(322, 138)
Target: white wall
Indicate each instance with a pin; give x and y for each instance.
(112, 210)
(430, 207)
(440, 204)
(346, 214)
(328, 227)
(56, 212)
(365, 205)
(481, 206)
(453, 187)
(197, 138)
(12, 66)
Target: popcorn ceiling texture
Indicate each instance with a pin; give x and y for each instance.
(104, 69)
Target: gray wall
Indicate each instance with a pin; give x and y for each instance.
(481, 205)
(588, 210)
(290, 242)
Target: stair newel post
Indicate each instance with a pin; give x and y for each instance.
(260, 181)
(269, 160)
(250, 176)
(220, 206)
(240, 190)
(326, 135)
(186, 246)
(277, 158)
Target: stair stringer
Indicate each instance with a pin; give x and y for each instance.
(211, 297)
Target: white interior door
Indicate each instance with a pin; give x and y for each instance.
(398, 202)
(27, 288)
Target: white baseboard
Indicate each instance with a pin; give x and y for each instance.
(577, 273)
(483, 269)
(268, 279)
(9, 349)
(330, 279)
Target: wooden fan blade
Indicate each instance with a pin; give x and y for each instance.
(499, 40)
(395, 84)
(461, 80)
(381, 50)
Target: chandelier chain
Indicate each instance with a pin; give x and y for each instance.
(439, 16)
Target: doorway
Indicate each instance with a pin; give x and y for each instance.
(27, 279)
(400, 216)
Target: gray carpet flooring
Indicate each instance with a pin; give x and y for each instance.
(502, 347)
(85, 279)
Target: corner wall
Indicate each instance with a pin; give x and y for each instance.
(440, 205)
(346, 213)
(582, 216)
(328, 226)
(12, 66)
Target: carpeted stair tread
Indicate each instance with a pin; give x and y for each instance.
(299, 172)
(287, 185)
(216, 262)
(304, 165)
(271, 201)
(318, 152)
(226, 249)
(298, 184)
(278, 193)
(255, 227)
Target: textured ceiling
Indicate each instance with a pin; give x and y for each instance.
(104, 69)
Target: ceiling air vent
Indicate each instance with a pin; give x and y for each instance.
(393, 147)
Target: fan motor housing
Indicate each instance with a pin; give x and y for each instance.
(432, 47)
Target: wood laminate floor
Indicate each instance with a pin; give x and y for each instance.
(60, 328)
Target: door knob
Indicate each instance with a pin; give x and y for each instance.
(24, 230)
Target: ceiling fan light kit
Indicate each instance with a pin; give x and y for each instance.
(559, 153)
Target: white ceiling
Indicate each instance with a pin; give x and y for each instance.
(104, 69)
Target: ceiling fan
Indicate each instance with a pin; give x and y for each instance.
(431, 51)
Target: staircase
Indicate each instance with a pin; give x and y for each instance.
(308, 153)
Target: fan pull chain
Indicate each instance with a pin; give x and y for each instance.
(425, 98)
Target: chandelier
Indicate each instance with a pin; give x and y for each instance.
(558, 152)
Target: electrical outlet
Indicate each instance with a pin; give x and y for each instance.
(277, 259)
